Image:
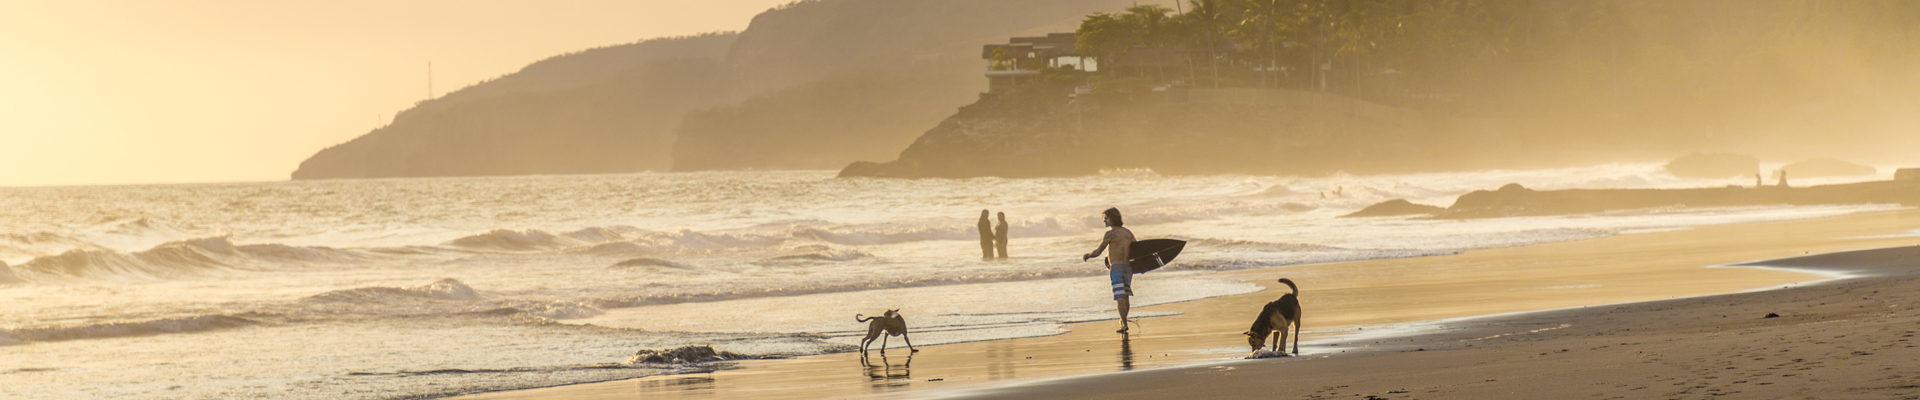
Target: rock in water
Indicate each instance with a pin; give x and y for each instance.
(1713, 166)
(684, 354)
(1395, 207)
(1824, 167)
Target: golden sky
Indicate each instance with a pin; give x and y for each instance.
(109, 92)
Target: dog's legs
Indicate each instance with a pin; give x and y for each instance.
(903, 336)
(1296, 335)
(883, 344)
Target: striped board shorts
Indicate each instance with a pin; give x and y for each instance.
(1121, 275)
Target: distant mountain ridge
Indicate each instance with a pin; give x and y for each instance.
(594, 111)
(853, 79)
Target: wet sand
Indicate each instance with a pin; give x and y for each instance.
(1341, 299)
(1854, 338)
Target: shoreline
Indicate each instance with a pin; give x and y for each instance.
(1204, 333)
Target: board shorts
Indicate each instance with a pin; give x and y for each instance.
(1121, 275)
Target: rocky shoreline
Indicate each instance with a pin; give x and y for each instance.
(1514, 200)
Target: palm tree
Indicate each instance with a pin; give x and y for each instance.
(1150, 26)
(1207, 16)
(1261, 20)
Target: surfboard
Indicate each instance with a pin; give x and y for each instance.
(1153, 253)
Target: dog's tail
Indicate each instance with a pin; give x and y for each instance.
(1289, 282)
(860, 318)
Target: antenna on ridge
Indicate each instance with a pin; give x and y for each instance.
(429, 80)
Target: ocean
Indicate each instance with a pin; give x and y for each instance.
(418, 287)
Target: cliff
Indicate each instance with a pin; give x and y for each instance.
(838, 81)
(1035, 130)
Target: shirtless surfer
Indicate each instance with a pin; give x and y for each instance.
(1119, 273)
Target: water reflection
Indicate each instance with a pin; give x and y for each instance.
(1000, 362)
(885, 375)
(678, 386)
(1126, 352)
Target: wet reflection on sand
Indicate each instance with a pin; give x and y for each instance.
(884, 375)
(701, 386)
(1001, 363)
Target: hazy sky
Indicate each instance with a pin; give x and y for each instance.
(103, 92)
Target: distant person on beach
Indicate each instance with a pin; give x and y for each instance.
(1119, 273)
(1000, 235)
(986, 236)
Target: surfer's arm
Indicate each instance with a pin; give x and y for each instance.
(1103, 247)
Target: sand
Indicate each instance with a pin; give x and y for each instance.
(1851, 339)
(1691, 347)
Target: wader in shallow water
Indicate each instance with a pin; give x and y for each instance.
(1000, 236)
(986, 236)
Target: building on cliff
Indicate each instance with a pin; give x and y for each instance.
(1022, 59)
(1025, 60)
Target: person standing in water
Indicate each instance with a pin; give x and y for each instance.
(986, 237)
(1119, 273)
(1000, 235)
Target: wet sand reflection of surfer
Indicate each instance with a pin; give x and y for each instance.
(1126, 353)
(1001, 363)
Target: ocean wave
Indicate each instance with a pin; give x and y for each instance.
(662, 299)
(820, 253)
(132, 233)
(123, 329)
(176, 259)
(6, 274)
(1232, 244)
(1303, 257)
(649, 262)
(444, 289)
(515, 240)
(545, 309)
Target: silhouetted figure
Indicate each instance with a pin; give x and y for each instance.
(986, 236)
(1783, 178)
(1000, 235)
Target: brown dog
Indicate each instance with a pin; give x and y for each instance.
(891, 323)
(1278, 316)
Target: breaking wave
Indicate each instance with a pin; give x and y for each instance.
(551, 309)
(652, 300)
(6, 275)
(1231, 244)
(820, 253)
(534, 239)
(649, 262)
(123, 329)
(175, 259)
(444, 289)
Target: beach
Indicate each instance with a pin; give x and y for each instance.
(438, 287)
(1545, 319)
